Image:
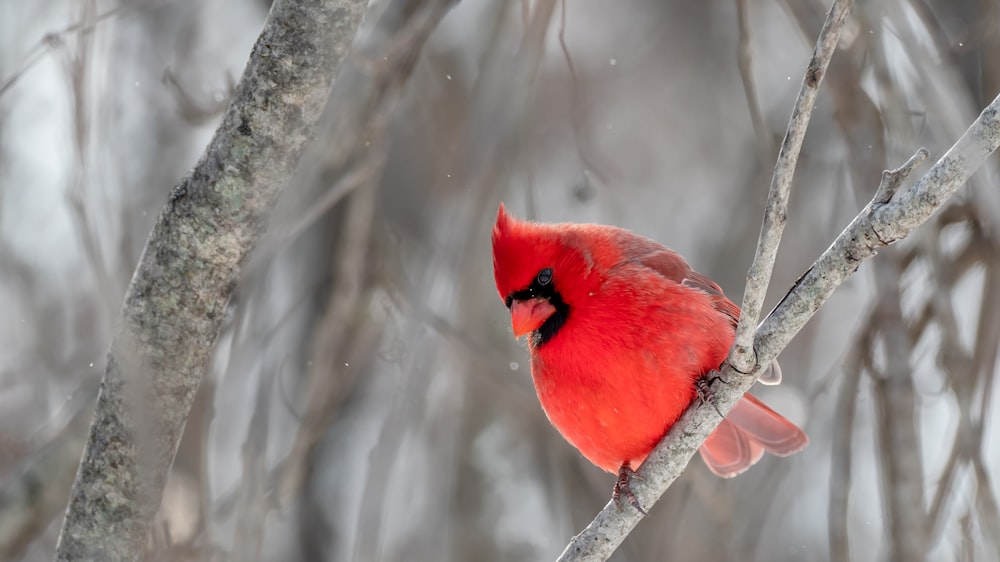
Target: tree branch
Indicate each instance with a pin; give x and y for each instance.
(30, 500)
(895, 405)
(744, 57)
(841, 439)
(175, 303)
(889, 217)
(741, 355)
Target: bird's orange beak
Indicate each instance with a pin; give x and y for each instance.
(528, 315)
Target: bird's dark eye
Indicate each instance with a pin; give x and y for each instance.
(544, 276)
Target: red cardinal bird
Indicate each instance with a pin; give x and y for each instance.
(621, 330)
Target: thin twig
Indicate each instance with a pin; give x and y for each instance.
(55, 39)
(985, 352)
(344, 331)
(745, 63)
(843, 429)
(989, 513)
(253, 503)
(742, 356)
(943, 498)
(339, 332)
(32, 498)
(374, 76)
(580, 139)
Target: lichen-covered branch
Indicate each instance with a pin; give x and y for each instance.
(176, 301)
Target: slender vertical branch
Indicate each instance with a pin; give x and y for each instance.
(895, 401)
(584, 146)
(840, 465)
(30, 501)
(745, 63)
(742, 356)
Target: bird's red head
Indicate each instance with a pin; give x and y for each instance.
(542, 271)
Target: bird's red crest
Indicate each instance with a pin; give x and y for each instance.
(514, 258)
(522, 248)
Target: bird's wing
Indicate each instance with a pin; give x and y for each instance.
(672, 266)
(720, 301)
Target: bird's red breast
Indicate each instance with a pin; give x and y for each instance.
(620, 330)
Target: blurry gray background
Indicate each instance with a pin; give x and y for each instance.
(368, 402)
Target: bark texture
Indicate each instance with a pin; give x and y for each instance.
(177, 298)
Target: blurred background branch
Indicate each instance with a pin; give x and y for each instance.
(365, 400)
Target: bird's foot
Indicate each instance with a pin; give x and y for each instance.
(716, 375)
(623, 489)
(703, 385)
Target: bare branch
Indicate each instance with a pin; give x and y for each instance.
(877, 226)
(175, 304)
(944, 496)
(745, 59)
(31, 500)
(371, 85)
(895, 404)
(840, 465)
(252, 505)
(584, 145)
(985, 353)
(741, 356)
(340, 330)
(56, 39)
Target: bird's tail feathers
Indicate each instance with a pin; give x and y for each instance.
(749, 430)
